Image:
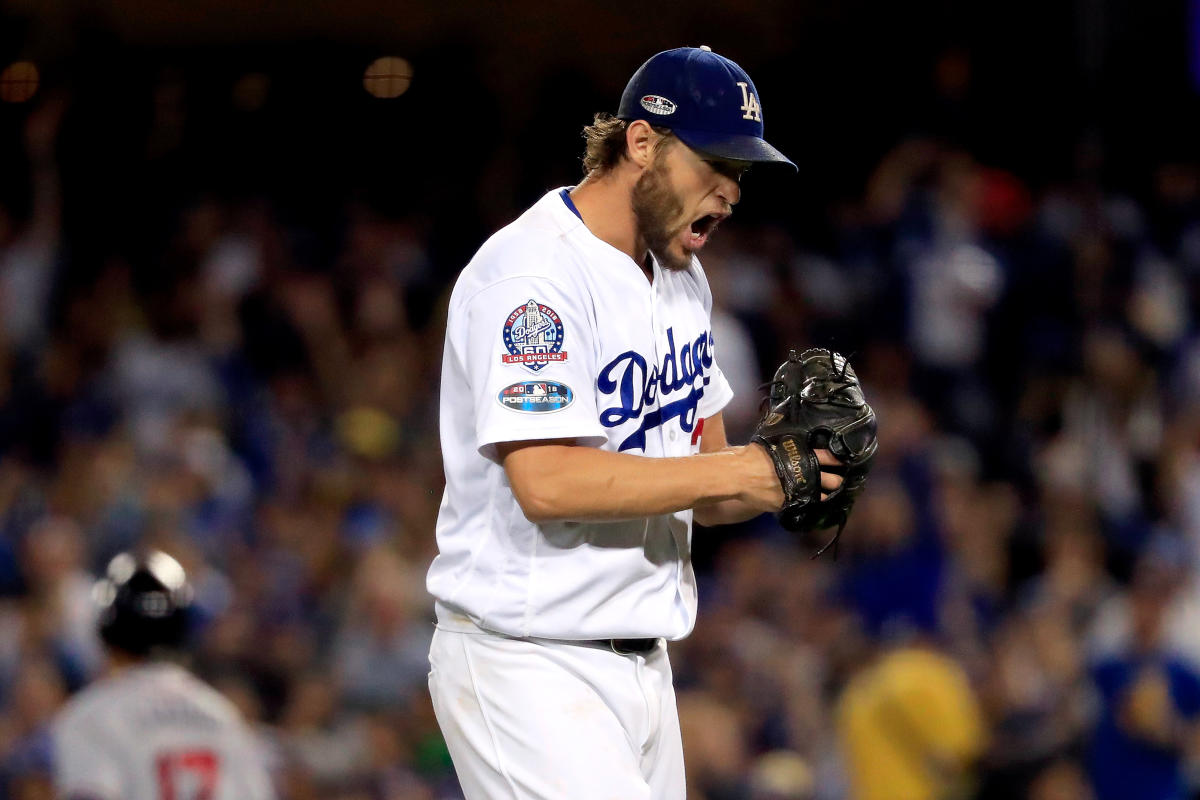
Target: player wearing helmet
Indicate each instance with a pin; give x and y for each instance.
(149, 729)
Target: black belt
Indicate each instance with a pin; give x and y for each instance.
(626, 647)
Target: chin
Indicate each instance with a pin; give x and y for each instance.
(673, 260)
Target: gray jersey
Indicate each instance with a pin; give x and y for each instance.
(156, 732)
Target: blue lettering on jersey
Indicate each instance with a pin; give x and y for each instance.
(638, 385)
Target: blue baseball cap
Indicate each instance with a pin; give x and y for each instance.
(706, 100)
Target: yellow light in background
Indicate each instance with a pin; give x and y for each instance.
(387, 77)
(18, 82)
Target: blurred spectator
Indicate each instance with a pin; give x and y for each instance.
(380, 658)
(781, 775)
(1034, 698)
(896, 582)
(29, 248)
(716, 740)
(1061, 780)
(59, 613)
(37, 695)
(325, 749)
(910, 726)
(1149, 697)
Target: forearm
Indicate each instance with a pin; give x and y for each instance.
(565, 482)
(728, 511)
(724, 512)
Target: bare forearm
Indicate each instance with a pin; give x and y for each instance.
(721, 512)
(562, 482)
(725, 512)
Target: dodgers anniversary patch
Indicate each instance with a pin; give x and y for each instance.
(533, 336)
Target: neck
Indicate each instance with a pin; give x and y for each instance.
(605, 203)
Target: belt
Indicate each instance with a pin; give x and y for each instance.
(626, 647)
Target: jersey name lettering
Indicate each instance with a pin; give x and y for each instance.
(638, 385)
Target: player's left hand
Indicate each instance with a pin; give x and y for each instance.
(821, 436)
(830, 480)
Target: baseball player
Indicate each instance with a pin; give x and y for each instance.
(581, 434)
(150, 730)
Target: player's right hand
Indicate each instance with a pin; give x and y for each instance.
(762, 490)
(759, 485)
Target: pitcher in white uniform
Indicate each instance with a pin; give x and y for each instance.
(150, 730)
(581, 434)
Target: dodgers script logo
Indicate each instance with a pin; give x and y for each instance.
(638, 385)
(533, 334)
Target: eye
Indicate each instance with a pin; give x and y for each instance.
(730, 169)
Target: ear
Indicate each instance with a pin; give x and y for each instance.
(640, 139)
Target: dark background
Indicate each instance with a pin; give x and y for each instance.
(501, 91)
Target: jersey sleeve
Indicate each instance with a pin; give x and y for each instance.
(527, 346)
(84, 766)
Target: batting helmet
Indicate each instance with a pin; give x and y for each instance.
(143, 602)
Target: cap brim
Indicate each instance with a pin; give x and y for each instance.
(737, 147)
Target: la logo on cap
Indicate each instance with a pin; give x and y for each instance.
(750, 107)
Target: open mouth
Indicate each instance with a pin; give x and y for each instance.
(702, 228)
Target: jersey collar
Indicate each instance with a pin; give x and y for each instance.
(565, 194)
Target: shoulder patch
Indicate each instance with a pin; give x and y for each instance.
(533, 336)
(536, 397)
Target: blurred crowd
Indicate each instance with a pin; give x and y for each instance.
(1013, 611)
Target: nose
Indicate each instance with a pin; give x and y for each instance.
(729, 191)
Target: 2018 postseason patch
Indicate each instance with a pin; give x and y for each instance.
(536, 397)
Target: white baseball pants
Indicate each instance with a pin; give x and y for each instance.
(537, 719)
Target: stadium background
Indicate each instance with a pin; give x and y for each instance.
(223, 268)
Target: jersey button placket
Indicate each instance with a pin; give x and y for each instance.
(658, 337)
(669, 430)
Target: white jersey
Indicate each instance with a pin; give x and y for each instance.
(553, 333)
(156, 732)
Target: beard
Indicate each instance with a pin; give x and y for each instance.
(655, 208)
